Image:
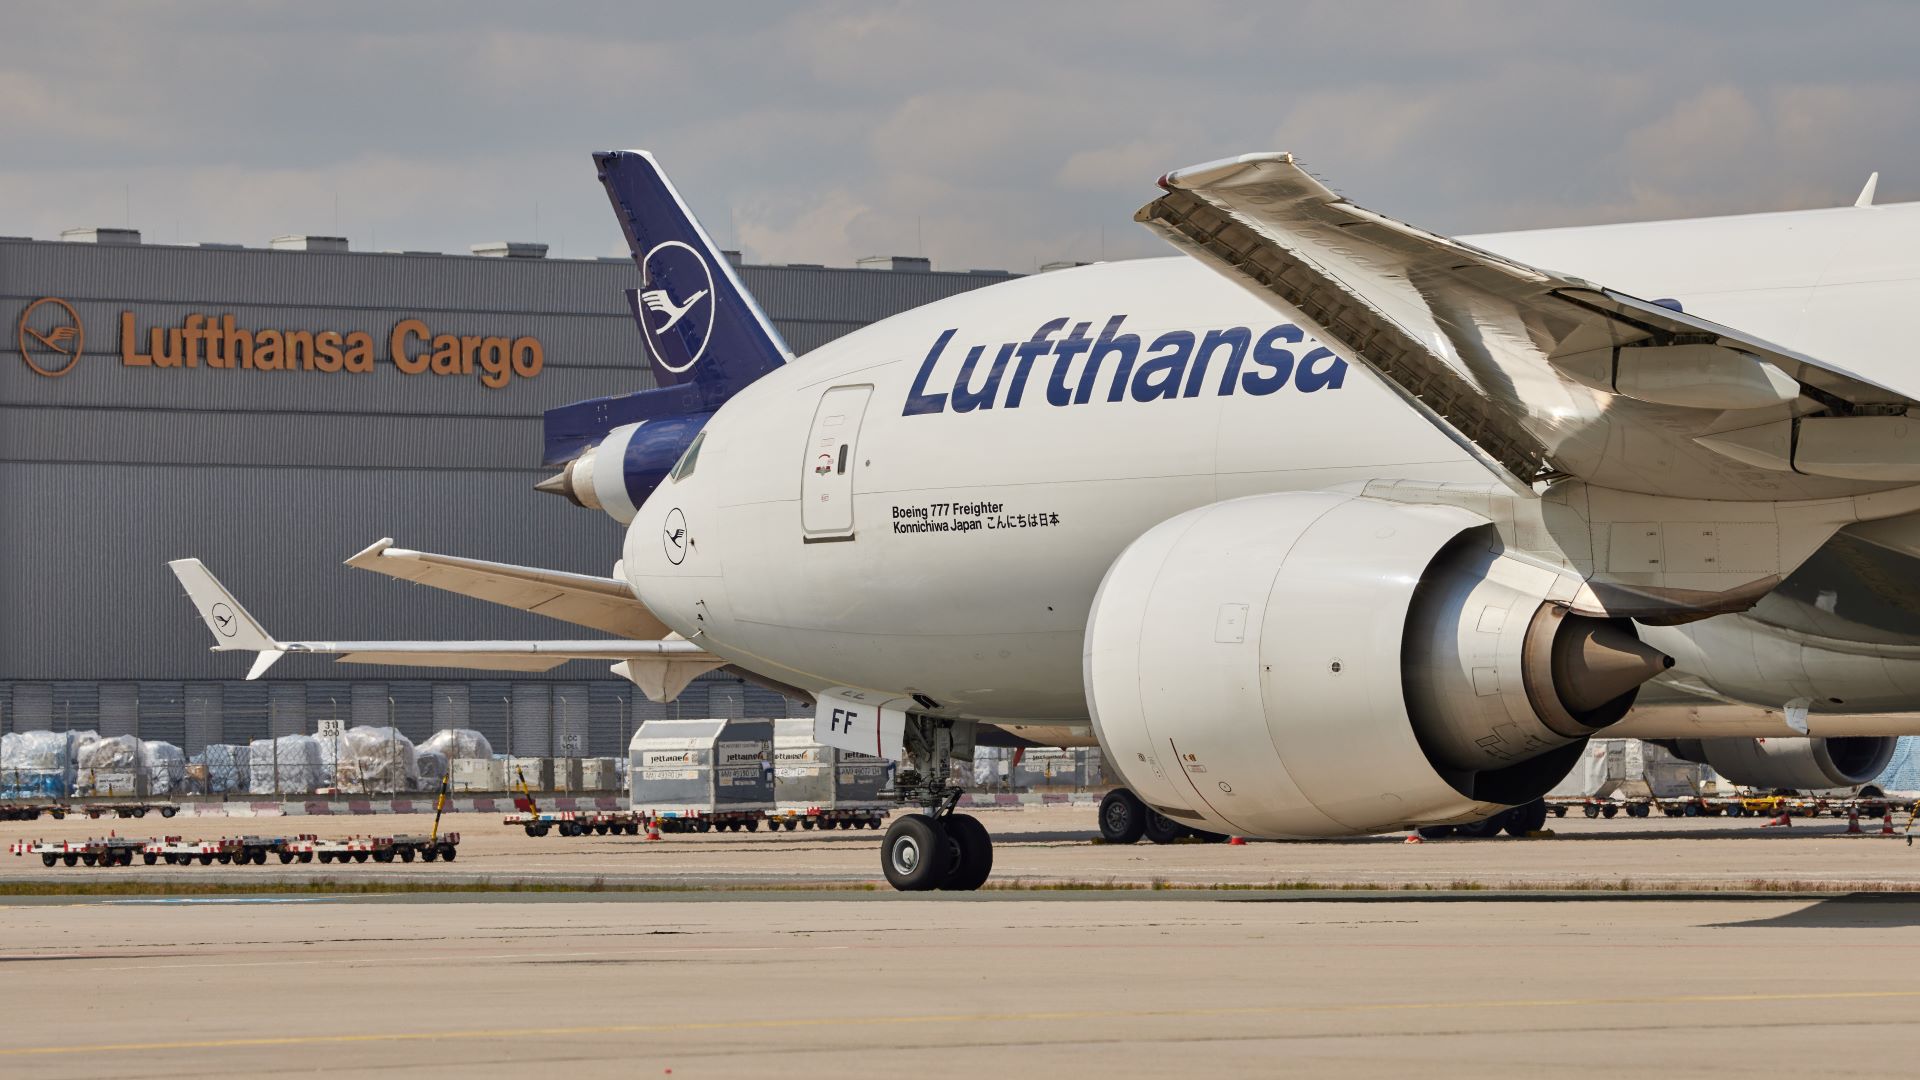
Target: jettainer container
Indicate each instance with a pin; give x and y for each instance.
(702, 769)
(810, 776)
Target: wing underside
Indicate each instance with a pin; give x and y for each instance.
(602, 603)
(1541, 375)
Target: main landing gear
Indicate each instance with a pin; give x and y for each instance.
(937, 848)
(950, 852)
(1124, 819)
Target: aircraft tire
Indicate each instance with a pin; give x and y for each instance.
(1162, 829)
(1529, 818)
(973, 853)
(915, 856)
(1123, 817)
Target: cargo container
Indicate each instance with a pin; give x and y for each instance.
(818, 786)
(700, 774)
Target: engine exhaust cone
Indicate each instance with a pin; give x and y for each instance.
(1595, 662)
(553, 485)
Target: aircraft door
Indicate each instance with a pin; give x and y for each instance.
(826, 483)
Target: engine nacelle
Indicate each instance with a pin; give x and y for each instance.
(1321, 664)
(619, 472)
(1797, 764)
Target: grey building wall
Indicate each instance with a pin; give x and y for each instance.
(272, 478)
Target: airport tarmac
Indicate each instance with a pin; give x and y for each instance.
(1041, 846)
(1091, 986)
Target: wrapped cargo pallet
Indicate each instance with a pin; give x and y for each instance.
(374, 759)
(431, 768)
(164, 767)
(226, 767)
(288, 765)
(686, 767)
(459, 744)
(39, 764)
(108, 767)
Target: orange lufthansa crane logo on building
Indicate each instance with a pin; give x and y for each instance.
(51, 336)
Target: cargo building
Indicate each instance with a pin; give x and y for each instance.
(275, 409)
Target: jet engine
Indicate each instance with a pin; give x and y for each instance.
(618, 473)
(1797, 764)
(1320, 664)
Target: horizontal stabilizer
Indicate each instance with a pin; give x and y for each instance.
(234, 629)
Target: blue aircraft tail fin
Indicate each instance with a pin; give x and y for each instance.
(697, 321)
(704, 336)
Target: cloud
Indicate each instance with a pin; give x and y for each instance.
(995, 134)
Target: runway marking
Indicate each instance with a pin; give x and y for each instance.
(948, 1018)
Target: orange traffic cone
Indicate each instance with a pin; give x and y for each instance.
(1413, 838)
(1853, 821)
(1886, 824)
(1783, 819)
(653, 828)
(1236, 841)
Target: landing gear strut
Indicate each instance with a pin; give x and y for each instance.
(937, 848)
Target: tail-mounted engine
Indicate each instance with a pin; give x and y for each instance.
(1320, 664)
(619, 472)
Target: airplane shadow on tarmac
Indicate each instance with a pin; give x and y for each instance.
(1865, 911)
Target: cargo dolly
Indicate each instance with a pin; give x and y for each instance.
(699, 821)
(405, 847)
(815, 817)
(31, 811)
(242, 850)
(112, 851)
(579, 822)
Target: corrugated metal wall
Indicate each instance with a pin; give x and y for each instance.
(274, 477)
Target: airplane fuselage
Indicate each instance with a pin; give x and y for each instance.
(928, 505)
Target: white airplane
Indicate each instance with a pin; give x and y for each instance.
(1327, 526)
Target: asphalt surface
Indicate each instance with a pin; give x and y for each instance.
(1630, 947)
(1078, 987)
(1042, 846)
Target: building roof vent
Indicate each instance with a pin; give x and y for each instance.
(509, 249)
(296, 242)
(895, 262)
(733, 257)
(100, 236)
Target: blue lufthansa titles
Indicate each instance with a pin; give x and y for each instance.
(1177, 364)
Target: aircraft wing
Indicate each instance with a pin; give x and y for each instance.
(659, 663)
(602, 603)
(1541, 375)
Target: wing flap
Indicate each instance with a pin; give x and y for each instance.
(1496, 353)
(602, 603)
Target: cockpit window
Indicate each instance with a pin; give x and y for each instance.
(689, 459)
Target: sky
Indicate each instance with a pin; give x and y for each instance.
(980, 135)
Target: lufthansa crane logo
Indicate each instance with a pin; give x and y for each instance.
(673, 536)
(676, 305)
(223, 620)
(51, 336)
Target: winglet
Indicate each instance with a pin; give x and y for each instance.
(1866, 193)
(233, 627)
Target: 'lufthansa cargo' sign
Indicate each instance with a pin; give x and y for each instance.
(217, 342)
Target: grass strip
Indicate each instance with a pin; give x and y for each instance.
(342, 887)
